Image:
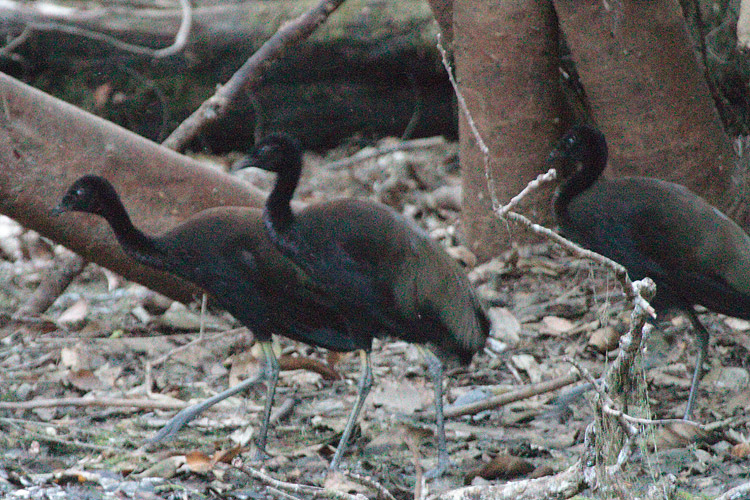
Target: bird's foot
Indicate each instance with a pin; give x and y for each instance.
(443, 465)
(260, 454)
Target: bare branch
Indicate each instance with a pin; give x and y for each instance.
(736, 493)
(149, 404)
(217, 105)
(564, 484)
(472, 126)
(548, 176)
(298, 489)
(513, 396)
(180, 40)
(370, 153)
(370, 483)
(55, 281)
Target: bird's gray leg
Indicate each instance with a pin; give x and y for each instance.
(363, 389)
(703, 337)
(191, 412)
(435, 369)
(271, 374)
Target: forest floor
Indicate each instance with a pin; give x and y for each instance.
(66, 431)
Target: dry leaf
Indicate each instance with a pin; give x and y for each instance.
(554, 325)
(741, 450)
(245, 365)
(401, 396)
(505, 326)
(166, 468)
(309, 364)
(604, 339)
(198, 461)
(74, 317)
(226, 456)
(336, 481)
(85, 380)
(463, 255)
(503, 466)
(70, 358)
(528, 363)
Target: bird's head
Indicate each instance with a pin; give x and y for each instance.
(274, 153)
(582, 146)
(91, 193)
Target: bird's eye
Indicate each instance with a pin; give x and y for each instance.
(79, 192)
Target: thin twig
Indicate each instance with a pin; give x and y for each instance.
(198, 340)
(28, 435)
(297, 489)
(620, 272)
(472, 126)
(532, 186)
(149, 404)
(180, 40)
(370, 153)
(289, 34)
(282, 493)
(370, 483)
(419, 478)
(606, 400)
(513, 396)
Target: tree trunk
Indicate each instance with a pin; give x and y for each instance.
(648, 94)
(507, 62)
(46, 144)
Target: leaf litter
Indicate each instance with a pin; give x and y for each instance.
(107, 343)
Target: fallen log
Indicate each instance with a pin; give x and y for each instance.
(45, 144)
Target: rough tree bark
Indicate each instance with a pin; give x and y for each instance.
(45, 144)
(506, 63)
(648, 94)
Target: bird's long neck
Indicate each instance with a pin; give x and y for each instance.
(586, 173)
(137, 244)
(277, 215)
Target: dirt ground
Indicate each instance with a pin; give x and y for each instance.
(84, 387)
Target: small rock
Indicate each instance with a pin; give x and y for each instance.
(504, 325)
(528, 364)
(730, 378)
(742, 325)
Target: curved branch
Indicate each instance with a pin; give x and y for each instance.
(217, 105)
(180, 40)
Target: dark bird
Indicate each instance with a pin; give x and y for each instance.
(226, 252)
(694, 253)
(379, 269)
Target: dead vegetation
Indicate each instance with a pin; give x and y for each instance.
(85, 386)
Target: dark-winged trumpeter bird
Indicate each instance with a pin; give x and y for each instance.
(226, 252)
(378, 268)
(654, 228)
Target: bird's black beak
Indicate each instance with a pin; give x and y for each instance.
(245, 162)
(554, 158)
